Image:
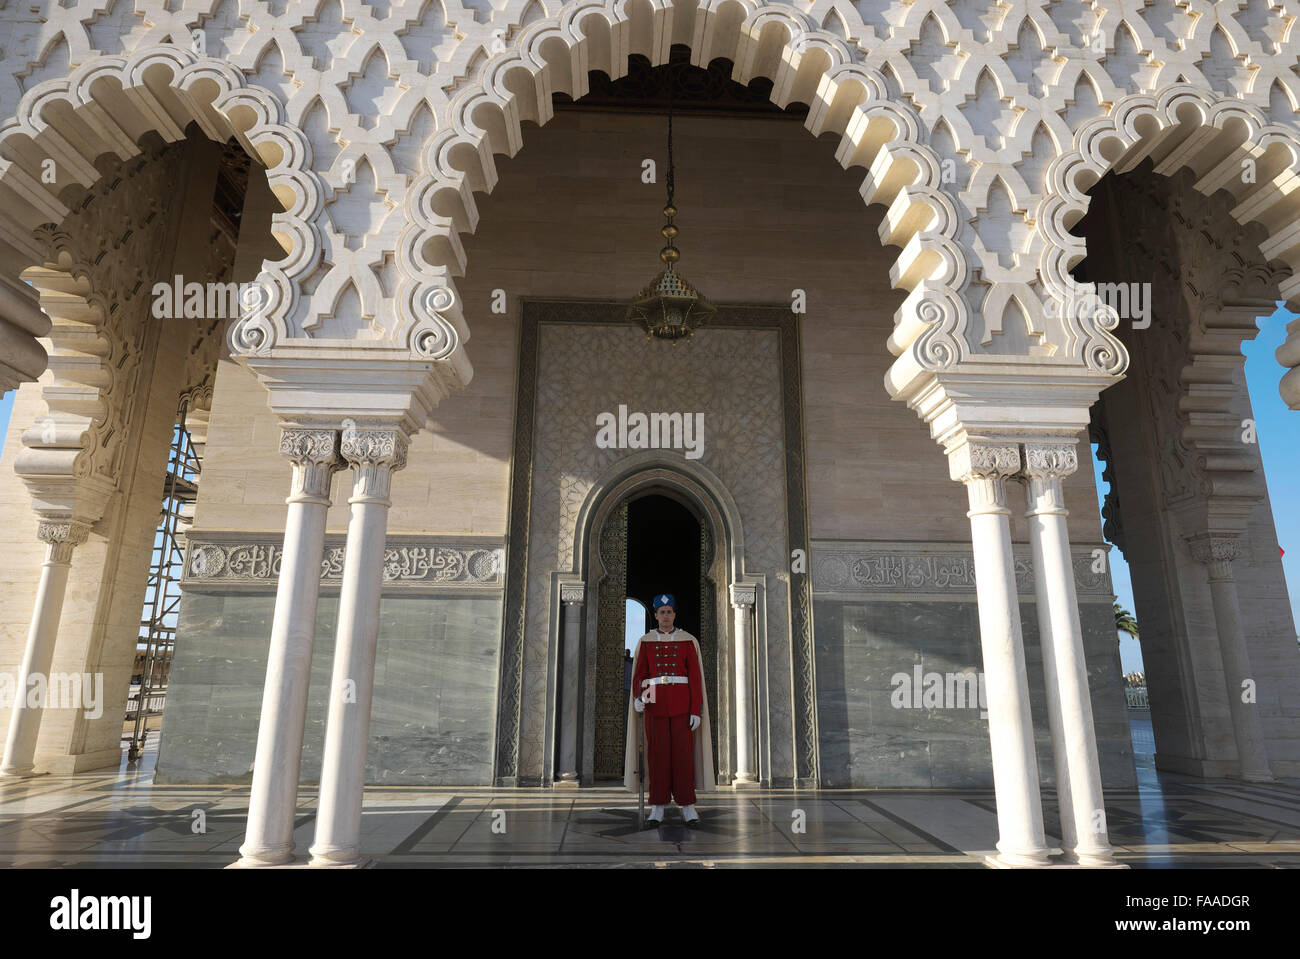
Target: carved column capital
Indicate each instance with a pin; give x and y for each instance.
(61, 537)
(315, 457)
(984, 468)
(573, 594)
(1051, 459)
(1046, 464)
(1216, 551)
(377, 453)
(743, 596)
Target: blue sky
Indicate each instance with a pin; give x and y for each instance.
(1279, 442)
(6, 407)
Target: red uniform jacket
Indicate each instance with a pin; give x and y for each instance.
(666, 656)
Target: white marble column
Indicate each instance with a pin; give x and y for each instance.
(984, 469)
(1084, 838)
(274, 797)
(375, 454)
(571, 596)
(1216, 551)
(60, 538)
(742, 604)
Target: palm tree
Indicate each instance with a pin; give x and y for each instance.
(1124, 622)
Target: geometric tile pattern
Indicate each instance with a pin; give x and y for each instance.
(981, 124)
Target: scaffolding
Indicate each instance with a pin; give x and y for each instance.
(157, 638)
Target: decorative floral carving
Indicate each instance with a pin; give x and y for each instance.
(1050, 459)
(1215, 549)
(313, 446)
(743, 595)
(937, 569)
(409, 565)
(375, 447)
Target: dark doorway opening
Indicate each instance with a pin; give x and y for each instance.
(663, 556)
(650, 545)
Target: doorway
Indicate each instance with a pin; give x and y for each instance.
(651, 544)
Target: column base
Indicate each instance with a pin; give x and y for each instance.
(358, 863)
(109, 758)
(1013, 861)
(346, 857)
(745, 782)
(1085, 860)
(268, 857)
(289, 863)
(567, 781)
(1257, 778)
(20, 772)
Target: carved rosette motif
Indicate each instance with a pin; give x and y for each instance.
(573, 595)
(315, 457)
(61, 538)
(376, 454)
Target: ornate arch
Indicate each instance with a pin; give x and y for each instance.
(702, 493)
(94, 281)
(105, 106)
(1227, 144)
(805, 63)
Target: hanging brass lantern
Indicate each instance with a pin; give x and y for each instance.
(670, 308)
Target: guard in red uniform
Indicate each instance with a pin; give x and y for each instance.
(668, 687)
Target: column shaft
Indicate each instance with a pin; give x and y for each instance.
(25, 720)
(742, 600)
(1021, 840)
(375, 454)
(571, 597)
(1216, 552)
(1084, 837)
(274, 797)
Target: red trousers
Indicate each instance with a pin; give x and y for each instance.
(670, 742)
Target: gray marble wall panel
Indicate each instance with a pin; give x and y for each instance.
(432, 721)
(866, 741)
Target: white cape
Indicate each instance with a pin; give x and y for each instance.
(702, 746)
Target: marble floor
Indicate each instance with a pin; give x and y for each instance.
(121, 820)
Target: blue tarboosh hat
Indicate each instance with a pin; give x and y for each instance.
(665, 599)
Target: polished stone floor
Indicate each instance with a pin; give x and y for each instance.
(121, 819)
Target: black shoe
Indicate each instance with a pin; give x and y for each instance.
(693, 824)
(653, 823)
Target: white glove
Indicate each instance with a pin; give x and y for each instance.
(637, 704)
(695, 723)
